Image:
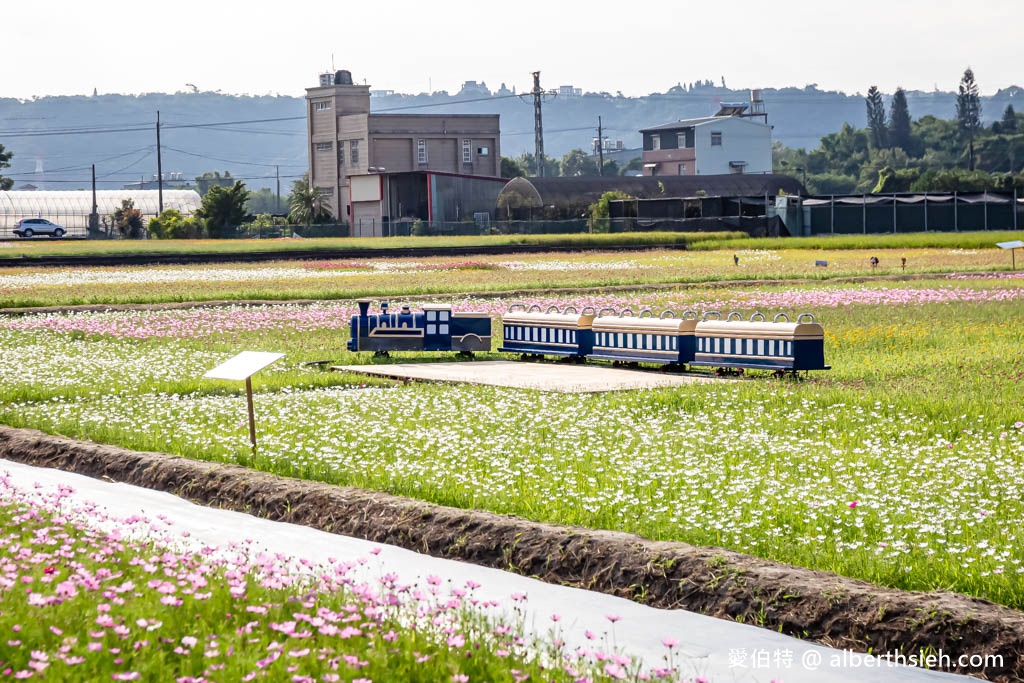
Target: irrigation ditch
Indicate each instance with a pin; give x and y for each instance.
(812, 605)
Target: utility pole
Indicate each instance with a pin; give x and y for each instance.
(538, 126)
(94, 217)
(159, 168)
(600, 148)
(277, 202)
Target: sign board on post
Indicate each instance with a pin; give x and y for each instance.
(243, 367)
(1012, 246)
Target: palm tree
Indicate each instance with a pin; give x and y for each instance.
(307, 204)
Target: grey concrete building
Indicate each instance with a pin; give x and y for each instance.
(376, 168)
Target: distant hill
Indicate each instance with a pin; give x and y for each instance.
(208, 131)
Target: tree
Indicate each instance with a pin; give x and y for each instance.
(510, 168)
(223, 207)
(968, 113)
(128, 220)
(1001, 153)
(306, 205)
(633, 167)
(5, 162)
(1008, 124)
(576, 162)
(876, 119)
(831, 183)
(895, 180)
(899, 122)
(894, 159)
(529, 164)
(611, 168)
(600, 210)
(171, 225)
(263, 200)
(845, 152)
(938, 140)
(213, 179)
(952, 180)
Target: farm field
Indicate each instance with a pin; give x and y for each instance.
(17, 249)
(902, 465)
(495, 274)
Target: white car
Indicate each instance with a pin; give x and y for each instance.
(27, 227)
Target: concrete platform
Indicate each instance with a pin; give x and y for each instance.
(575, 379)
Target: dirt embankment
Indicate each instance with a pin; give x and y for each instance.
(813, 605)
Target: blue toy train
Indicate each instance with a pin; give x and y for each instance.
(436, 328)
(729, 345)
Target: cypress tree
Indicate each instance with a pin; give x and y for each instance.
(1009, 123)
(876, 119)
(968, 113)
(899, 121)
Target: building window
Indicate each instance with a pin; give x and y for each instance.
(655, 142)
(354, 148)
(322, 106)
(341, 154)
(482, 151)
(324, 146)
(681, 141)
(716, 139)
(467, 151)
(682, 169)
(421, 151)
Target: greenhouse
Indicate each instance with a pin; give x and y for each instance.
(72, 208)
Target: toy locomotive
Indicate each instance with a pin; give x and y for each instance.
(436, 328)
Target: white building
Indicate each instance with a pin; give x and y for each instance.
(729, 142)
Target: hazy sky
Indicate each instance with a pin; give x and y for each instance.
(60, 47)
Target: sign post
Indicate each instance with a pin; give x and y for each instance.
(243, 367)
(1012, 246)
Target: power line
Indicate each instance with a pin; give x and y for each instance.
(229, 161)
(145, 156)
(133, 127)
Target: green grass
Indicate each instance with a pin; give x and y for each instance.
(18, 249)
(697, 241)
(916, 240)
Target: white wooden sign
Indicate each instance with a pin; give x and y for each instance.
(243, 366)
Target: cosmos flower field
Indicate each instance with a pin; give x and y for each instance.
(902, 465)
(87, 596)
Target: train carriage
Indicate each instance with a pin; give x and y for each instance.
(644, 339)
(779, 345)
(551, 333)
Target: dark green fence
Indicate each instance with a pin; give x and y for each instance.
(848, 215)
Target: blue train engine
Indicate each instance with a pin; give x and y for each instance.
(434, 328)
